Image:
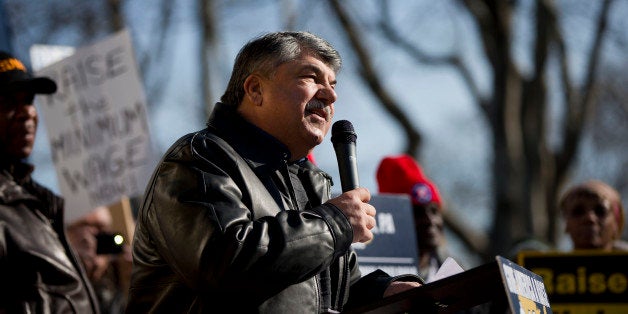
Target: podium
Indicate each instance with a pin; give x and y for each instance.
(501, 285)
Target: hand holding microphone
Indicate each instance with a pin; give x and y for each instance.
(361, 214)
(353, 202)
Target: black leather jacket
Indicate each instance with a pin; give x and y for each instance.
(222, 229)
(39, 272)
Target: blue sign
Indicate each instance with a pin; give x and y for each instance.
(393, 248)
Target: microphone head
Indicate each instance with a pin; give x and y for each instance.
(342, 132)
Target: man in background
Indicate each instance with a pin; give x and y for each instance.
(39, 272)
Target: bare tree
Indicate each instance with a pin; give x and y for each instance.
(116, 16)
(527, 173)
(609, 129)
(87, 20)
(209, 46)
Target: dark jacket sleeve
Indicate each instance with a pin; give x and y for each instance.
(216, 225)
(370, 288)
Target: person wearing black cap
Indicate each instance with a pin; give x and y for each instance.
(39, 272)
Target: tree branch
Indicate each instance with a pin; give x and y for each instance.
(370, 76)
(419, 55)
(578, 110)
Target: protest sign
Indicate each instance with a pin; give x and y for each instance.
(524, 289)
(582, 282)
(393, 248)
(97, 125)
(45, 55)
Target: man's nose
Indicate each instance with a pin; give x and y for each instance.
(26, 111)
(328, 94)
(590, 215)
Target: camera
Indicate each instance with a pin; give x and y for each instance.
(109, 243)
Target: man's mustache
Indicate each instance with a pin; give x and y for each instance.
(319, 105)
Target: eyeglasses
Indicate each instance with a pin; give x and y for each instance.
(12, 100)
(600, 211)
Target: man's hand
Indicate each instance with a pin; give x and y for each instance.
(400, 286)
(354, 204)
(82, 237)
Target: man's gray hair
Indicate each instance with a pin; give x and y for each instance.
(265, 53)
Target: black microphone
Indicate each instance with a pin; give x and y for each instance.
(343, 137)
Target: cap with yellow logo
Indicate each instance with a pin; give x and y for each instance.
(15, 77)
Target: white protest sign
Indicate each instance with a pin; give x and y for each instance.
(97, 125)
(45, 55)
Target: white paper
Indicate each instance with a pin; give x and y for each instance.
(449, 267)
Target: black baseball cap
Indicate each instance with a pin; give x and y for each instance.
(15, 77)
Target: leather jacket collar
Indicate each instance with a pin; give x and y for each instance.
(17, 186)
(13, 177)
(257, 147)
(19, 170)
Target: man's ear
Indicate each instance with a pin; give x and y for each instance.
(253, 89)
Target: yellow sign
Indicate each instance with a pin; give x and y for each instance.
(583, 281)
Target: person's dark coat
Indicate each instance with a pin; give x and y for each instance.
(39, 272)
(228, 224)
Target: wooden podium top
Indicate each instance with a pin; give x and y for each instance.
(448, 295)
(501, 284)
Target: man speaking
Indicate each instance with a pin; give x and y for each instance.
(235, 218)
